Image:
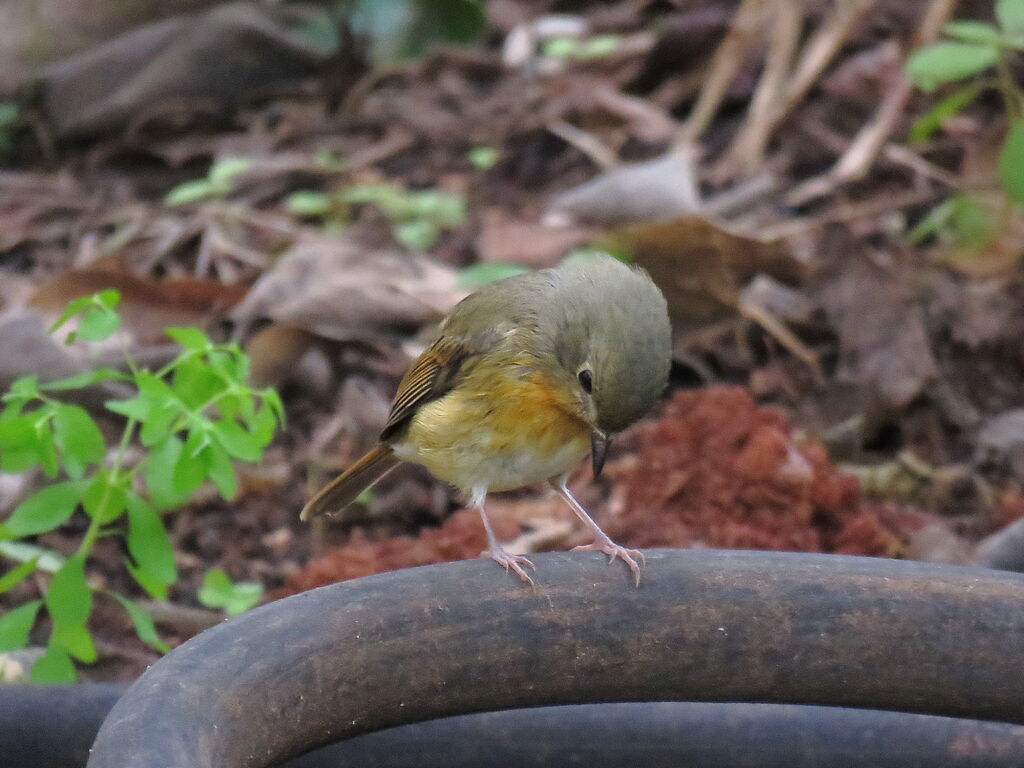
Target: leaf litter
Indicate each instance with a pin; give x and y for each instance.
(864, 379)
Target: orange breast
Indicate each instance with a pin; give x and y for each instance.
(497, 431)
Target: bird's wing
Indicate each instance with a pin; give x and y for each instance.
(434, 374)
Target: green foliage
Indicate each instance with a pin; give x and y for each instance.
(474, 276)
(484, 158)
(193, 419)
(971, 49)
(406, 28)
(10, 120)
(218, 183)
(966, 221)
(219, 591)
(418, 217)
(594, 47)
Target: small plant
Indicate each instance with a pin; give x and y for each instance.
(192, 419)
(219, 182)
(979, 55)
(220, 592)
(418, 217)
(482, 157)
(595, 47)
(10, 119)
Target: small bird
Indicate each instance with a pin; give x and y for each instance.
(527, 376)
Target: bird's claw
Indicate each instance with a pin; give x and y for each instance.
(513, 563)
(613, 551)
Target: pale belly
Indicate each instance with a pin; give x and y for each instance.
(477, 449)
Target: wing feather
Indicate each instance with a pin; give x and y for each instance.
(433, 374)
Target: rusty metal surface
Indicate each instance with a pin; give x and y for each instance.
(450, 639)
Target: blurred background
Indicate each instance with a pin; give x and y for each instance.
(827, 192)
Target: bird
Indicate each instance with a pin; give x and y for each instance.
(526, 376)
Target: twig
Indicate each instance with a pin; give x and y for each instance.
(585, 142)
(779, 331)
(819, 51)
(877, 206)
(866, 146)
(180, 617)
(727, 60)
(746, 153)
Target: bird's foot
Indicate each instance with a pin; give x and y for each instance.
(511, 562)
(603, 544)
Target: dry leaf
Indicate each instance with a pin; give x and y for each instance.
(702, 267)
(340, 289)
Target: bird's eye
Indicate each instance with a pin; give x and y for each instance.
(586, 380)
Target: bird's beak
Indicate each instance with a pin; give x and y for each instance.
(598, 450)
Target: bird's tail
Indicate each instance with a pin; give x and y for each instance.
(346, 487)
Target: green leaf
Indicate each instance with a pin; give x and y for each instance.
(973, 32)
(224, 172)
(144, 626)
(196, 383)
(139, 408)
(149, 547)
(236, 441)
(222, 473)
(54, 666)
(941, 63)
(561, 47)
(273, 399)
(69, 599)
(46, 451)
(79, 441)
(160, 464)
(417, 235)
(16, 624)
(74, 307)
(48, 560)
(231, 362)
(1011, 161)
(487, 272)
(84, 379)
(105, 498)
(192, 192)
(190, 338)
(193, 463)
(154, 588)
(308, 203)
(157, 426)
(23, 388)
(484, 158)
(76, 640)
(264, 425)
(17, 574)
(19, 444)
(219, 591)
(108, 298)
(98, 324)
(926, 125)
(156, 402)
(45, 510)
(1010, 15)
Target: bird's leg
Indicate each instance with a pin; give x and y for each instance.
(498, 552)
(601, 542)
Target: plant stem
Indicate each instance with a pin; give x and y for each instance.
(93, 531)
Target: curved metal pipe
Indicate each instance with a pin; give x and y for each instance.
(53, 727)
(457, 638)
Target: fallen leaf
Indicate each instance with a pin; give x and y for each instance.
(701, 266)
(882, 334)
(341, 289)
